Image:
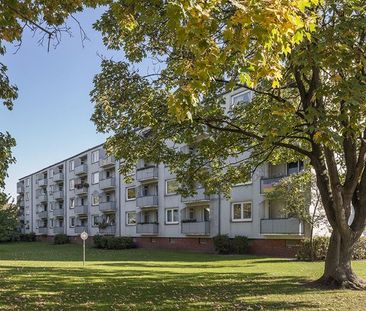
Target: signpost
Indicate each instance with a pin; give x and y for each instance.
(84, 235)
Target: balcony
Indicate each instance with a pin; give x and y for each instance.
(43, 214)
(81, 229)
(58, 177)
(110, 230)
(58, 195)
(81, 190)
(196, 228)
(199, 197)
(110, 206)
(21, 217)
(20, 187)
(21, 202)
(58, 212)
(43, 230)
(42, 198)
(282, 226)
(58, 230)
(42, 182)
(107, 162)
(81, 169)
(147, 201)
(267, 184)
(147, 228)
(107, 184)
(147, 174)
(81, 209)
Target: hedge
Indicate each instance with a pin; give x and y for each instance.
(27, 237)
(320, 247)
(224, 245)
(112, 242)
(61, 239)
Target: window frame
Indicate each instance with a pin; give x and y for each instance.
(127, 188)
(171, 209)
(93, 218)
(71, 181)
(92, 178)
(95, 152)
(127, 218)
(242, 219)
(237, 95)
(71, 165)
(92, 199)
(70, 222)
(166, 186)
(72, 206)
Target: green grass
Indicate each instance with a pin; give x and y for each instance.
(38, 276)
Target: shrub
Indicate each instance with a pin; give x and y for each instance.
(239, 244)
(27, 237)
(61, 239)
(222, 244)
(320, 247)
(112, 242)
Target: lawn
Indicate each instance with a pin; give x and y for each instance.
(39, 276)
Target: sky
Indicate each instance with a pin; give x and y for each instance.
(51, 117)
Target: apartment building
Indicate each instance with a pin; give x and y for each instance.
(86, 193)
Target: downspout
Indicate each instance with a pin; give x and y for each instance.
(219, 211)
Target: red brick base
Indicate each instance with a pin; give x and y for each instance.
(275, 248)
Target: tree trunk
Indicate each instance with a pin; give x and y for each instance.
(338, 271)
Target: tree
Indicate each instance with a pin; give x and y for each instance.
(46, 19)
(8, 220)
(309, 103)
(301, 199)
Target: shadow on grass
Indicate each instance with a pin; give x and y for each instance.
(37, 288)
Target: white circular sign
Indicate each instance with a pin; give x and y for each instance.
(84, 235)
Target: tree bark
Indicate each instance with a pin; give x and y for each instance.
(338, 271)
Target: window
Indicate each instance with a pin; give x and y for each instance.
(72, 184)
(171, 216)
(95, 199)
(72, 222)
(171, 186)
(27, 196)
(95, 156)
(50, 174)
(243, 97)
(95, 178)
(130, 193)
(95, 220)
(241, 211)
(27, 182)
(131, 218)
(72, 165)
(72, 203)
(51, 222)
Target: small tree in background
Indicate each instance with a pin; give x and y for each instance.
(301, 199)
(8, 219)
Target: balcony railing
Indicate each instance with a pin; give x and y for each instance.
(81, 209)
(42, 230)
(42, 182)
(147, 228)
(58, 230)
(107, 162)
(81, 229)
(42, 198)
(200, 196)
(267, 184)
(58, 177)
(58, 212)
(110, 230)
(147, 201)
(43, 214)
(282, 226)
(196, 228)
(108, 183)
(81, 169)
(81, 190)
(58, 195)
(108, 206)
(147, 174)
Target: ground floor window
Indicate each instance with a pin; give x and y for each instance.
(172, 216)
(131, 218)
(241, 211)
